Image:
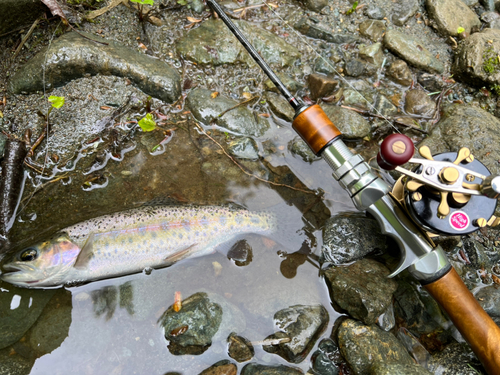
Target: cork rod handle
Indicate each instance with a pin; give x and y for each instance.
(475, 325)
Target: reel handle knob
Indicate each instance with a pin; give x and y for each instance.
(395, 150)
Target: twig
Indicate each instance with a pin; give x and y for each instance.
(65, 175)
(28, 34)
(39, 140)
(236, 106)
(248, 173)
(99, 12)
(368, 113)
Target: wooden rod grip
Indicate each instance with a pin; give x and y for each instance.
(315, 128)
(475, 325)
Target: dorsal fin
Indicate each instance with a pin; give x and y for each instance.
(82, 260)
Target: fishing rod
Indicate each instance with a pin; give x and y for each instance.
(435, 198)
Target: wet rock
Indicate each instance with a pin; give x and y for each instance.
(256, 369)
(362, 100)
(243, 148)
(491, 19)
(489, 299)
(19, 310)
(320, 31)
(364, 347)
(478, 254)
(13, 364)
(190, 330)
(362, 289)
(387, 320)
(3, 140)
(384, 106)
(489, 5)
(223, 367)
(240, 120)
(52, 328)
(241, 253)
(414, 347)
(72, 56)
(417, 102)
(302, 325)
(411, 50)
(300, 148)
(15, 13)
(476, 61)
(356, 68)
(431, 82)
(400, 73)
(403, 11)
(455, 359)
(213, 44)
(467, 126)
(325, 358)
(315, 5)
(351, 124)
(398, 369)
(374, 30)
(449, 15)
(197, 6)
(279, 105)
(326, 63)
(348, 238)
(372, 53)
(291, 84)
(239, 348)
(321, 86)
(374, 12)
(410, 308)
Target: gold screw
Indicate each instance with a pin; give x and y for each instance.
(469, 177)
(399, 147)
(417, 197)
(481, 222)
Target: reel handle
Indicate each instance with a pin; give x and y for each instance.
(395, 150)
(475, 325)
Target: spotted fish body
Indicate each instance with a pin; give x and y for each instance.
(128, 242)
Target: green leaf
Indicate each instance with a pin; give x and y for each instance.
(460, 30)
(147, 123)
(182, 2)
(144, 2)
(57, 101)
(354, 6)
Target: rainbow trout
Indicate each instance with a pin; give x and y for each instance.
(129, 242)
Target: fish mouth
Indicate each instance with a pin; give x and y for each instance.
(20, 274)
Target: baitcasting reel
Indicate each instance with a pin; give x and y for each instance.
(448, 194)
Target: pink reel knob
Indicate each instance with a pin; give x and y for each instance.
(395, 150)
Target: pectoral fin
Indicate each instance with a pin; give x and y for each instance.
(86, 254)
(181, 254)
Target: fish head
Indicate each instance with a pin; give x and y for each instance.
(44, 264)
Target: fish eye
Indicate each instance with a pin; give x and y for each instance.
(29, 255)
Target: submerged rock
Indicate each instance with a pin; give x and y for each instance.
(302, 325)
(256, 369)
(476, 61)
(239, 348)
(348, 238)
(13, 363)
(213, 43)
(19, 310)
(411, 49)
(449, 15)
(321, 31)
(324, 359)
(243, 148)
(240, 120)
(362, 289)
(191, 329)
(223, 367)
(72, 56)
(298, 147)
(364, 347)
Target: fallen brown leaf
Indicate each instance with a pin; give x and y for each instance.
(214, 94)
(194, 20)
(55, 9)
